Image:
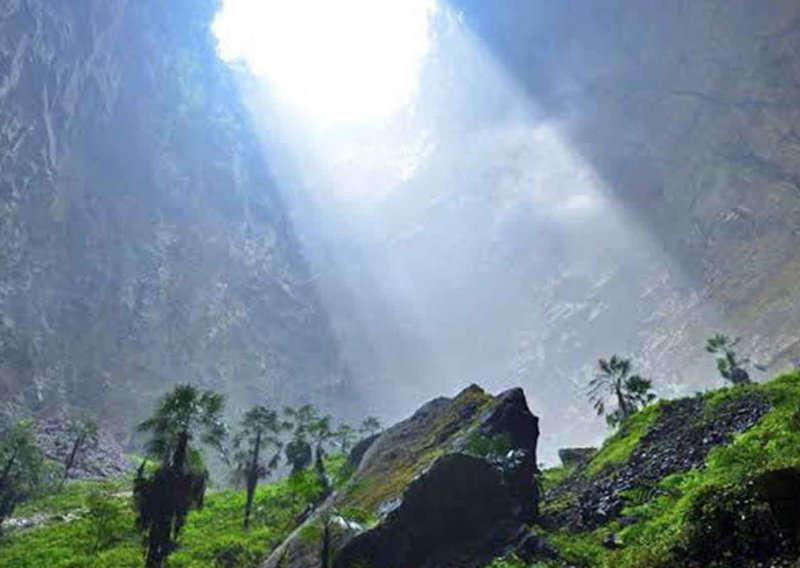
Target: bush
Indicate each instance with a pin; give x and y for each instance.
(728, 523)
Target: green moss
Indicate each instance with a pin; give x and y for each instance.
(386, 481)
(618, 447)
(552, 476)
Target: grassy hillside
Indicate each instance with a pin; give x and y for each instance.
(730, 510)
(71, 532)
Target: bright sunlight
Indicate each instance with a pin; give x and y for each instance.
(342, 61)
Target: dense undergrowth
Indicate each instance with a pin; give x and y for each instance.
(714, 515)
(91, 525)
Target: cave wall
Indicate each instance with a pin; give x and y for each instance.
(689, 112)
(142, 241)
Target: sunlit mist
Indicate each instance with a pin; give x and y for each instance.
(350, 60)
(461, 237)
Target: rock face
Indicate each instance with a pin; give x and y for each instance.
(142, 241)
(512, 417)
(434, 503)
(458, 513)
(98, 460)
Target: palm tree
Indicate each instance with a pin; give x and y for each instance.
(729, 364)
(259, 433)
(165, 496)
(630, 392)
(344, 435)
(298, 451)
(370, 426)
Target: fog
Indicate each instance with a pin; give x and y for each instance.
(464, 239)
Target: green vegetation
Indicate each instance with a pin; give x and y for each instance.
(169, 518)
(211, 537)
(370, 426)
(177, 485)
(259, 433)
(629, 392)
(717, 511)
(22, 466)
(680, 519)
(729, 364)
(618, 447)
(492, 448)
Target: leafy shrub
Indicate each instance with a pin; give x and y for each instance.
(730, 522)
(493, 448)
(106, 520)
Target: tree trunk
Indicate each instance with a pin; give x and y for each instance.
(179, 456)
(252, 481)
(8, 466)
(322, 475)
(622, 402)
(76, 446)
(325, 553)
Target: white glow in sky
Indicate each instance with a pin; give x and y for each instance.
(343, 60)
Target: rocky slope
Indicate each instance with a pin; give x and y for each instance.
(711, 480)
(142, 241)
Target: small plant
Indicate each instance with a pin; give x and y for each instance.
(22, 466)
(493, 448)
(729, 364)
(629, 392)
(106, 520)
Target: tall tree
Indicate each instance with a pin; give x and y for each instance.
(165, 496)
(344, 435)
(370, 426)
(309, 428)
(259, 435)
(22, 466)
(301, 421)
(613, 380)
(82, 435)
(729, 364)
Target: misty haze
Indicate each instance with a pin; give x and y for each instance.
(399, 283)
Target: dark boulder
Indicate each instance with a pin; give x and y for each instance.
(459, 513)
(512, 417)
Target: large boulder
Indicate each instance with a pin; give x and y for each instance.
(512, 417)
(459, 513)
(431, 503)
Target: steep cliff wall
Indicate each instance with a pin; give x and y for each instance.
(689, 111)
(141, 239)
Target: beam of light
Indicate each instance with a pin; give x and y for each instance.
(340, 61)
(466, 241)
